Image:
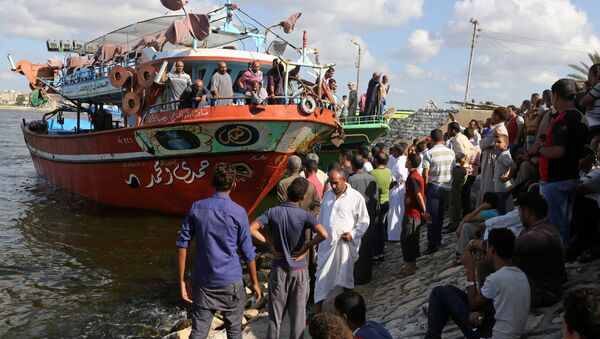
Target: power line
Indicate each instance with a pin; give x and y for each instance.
(516, 55)
(540, 46)
(535, 39)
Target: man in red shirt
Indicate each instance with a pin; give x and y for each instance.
(559, 162)
(415, 209)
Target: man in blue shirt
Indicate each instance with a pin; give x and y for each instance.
(350, 305)
(220, 227)
(289, 281)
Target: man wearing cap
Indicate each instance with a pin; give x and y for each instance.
(311, 201)
(560, 154)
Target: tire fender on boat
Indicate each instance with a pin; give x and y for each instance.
(308, 105)
(119, 76)
(145, 75)
(131, 103)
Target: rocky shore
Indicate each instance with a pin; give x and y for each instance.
(397, 302)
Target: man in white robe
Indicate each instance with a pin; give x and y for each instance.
(488, 153)
(345, 217)
(396, 195)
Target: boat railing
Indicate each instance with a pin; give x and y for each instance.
(363, 120)
(212, 102)
(94, 72)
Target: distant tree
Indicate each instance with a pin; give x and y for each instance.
(583, 68)
(20, 99)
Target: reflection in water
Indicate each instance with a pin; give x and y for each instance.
(69, 267)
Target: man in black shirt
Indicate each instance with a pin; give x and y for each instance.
(559, 161)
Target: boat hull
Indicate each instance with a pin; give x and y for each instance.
(167, 164)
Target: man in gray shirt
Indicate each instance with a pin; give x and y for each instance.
(221, 86)
(176, 83)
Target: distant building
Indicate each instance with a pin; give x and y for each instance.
(9, 97)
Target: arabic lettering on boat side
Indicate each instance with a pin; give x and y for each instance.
(168, 172)
(178, 115)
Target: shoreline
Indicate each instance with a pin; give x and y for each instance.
(25, 108)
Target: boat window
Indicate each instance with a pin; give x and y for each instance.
(201, 73)
(237, 79)
(176, 140)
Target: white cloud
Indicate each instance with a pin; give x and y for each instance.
(482, 60)
(373, 13)
(399, 91)
(421, 46)
(523, 45)
(543, 78)
(489, 84)
(412, 71)
(458, 88)
(415, 72)
(5, 75)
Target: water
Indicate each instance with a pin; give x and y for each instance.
(74, 268)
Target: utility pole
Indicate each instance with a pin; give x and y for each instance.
(357, 64)
(475, 30)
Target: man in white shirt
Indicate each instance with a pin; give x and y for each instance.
(177, 81)
(345, 217)
(437, 175)
(397, 192)
(507, 288)
(458, 141)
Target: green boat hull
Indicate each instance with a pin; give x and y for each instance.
(359, 131)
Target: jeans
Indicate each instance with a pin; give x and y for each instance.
(449, 301)
(560, 197)
(437, 197)
(502, 198)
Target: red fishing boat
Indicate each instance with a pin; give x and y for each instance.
(159, 156)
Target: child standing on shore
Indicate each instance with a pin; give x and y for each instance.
(504, 169)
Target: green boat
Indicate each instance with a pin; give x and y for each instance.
(359, 130)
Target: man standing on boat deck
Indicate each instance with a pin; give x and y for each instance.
(345, 217)
(220, 227)
(195, 95)
(221, 86)
(252, 74)
(176, 83)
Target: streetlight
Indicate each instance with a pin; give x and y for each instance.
(357, 64)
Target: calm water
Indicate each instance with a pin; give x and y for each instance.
(74, 268)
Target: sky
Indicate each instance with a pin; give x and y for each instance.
(423, 45)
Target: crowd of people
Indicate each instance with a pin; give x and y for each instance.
(519, 191)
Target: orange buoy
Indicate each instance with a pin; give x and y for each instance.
(131, 103)
(145, 75)
(119, 75)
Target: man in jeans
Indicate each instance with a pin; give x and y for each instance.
(507, 288)
(560, 154)
(289, 281)
(220, 227)
(437, 175)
